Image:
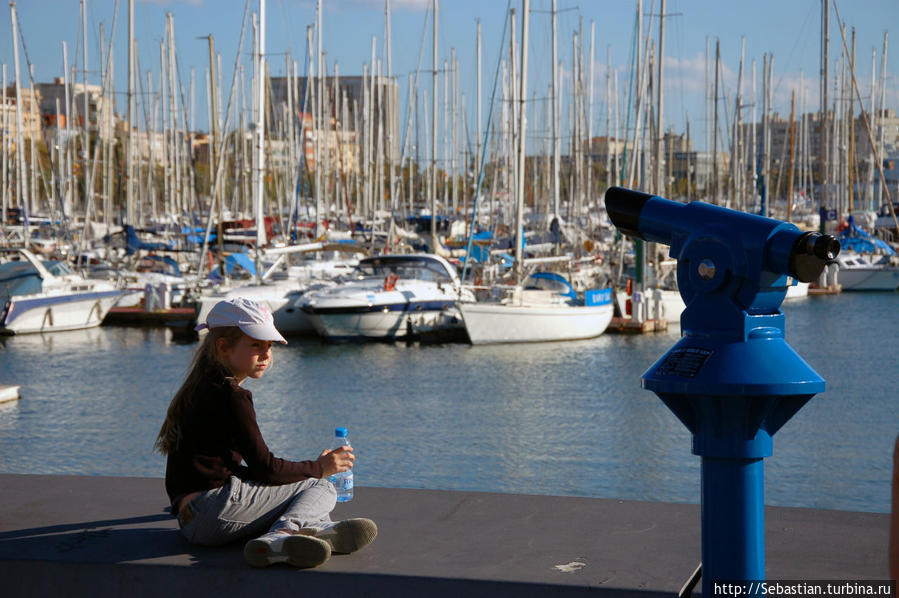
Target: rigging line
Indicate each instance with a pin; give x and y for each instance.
(185, 139)
(412, 98)
(883, 182)
(43, 177)
(483, 156)
(31, 79)
(89, 181)
(797, 39)
(220, 158)
(630, 90)
(303, 174)
(413, 89)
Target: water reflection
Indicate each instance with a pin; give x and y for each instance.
(554, 418)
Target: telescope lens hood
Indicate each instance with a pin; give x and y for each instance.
(624, 207)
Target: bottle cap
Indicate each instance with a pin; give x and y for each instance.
(340, 432)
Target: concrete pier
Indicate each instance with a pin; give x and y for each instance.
(107, 536)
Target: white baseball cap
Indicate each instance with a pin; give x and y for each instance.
(254, 319)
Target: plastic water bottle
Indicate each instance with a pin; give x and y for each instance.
(343, 482)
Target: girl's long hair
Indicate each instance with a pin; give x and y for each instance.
(206, 357)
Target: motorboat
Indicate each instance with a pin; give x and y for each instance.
(544, 308)
(392, 297)
(284, 296)
(37, 296)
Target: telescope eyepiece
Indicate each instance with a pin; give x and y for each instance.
(827, 247)
(810, 253)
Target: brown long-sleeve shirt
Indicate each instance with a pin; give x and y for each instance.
(220, 438)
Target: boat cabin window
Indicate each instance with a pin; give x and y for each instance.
(58, 268)
(414, 269)
(549, 282)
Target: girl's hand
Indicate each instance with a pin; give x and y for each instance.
(336, 460)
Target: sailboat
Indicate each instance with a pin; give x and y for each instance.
(866, 263)
(544, 307)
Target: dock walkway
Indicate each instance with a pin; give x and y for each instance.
(111, 536)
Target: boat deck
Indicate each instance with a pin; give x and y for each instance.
(106, 536)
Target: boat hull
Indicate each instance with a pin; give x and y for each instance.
(869, 279)
(284, 299)
(489, 323)
(27, 314)
(394, 321)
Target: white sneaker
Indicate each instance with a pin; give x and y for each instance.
(277, 547)
(346, 536)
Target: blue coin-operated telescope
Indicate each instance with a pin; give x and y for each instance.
(732, 379)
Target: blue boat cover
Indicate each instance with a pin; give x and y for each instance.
(550, 281)
(858, 240)
(18, 278)
(173, 267)
(133, 242)
(235, 259)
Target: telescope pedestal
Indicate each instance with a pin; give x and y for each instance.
(733, 394)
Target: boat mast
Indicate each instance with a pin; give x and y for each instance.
(217, 196)
(823, 129)
(522, 145)
(659, 174)
(478, 136)
(790, 167)
(715, 125)
(21, 179)
(554, 99)
(4, 168)
(434, 136)
(883, 68)
(390, 116)
(260, 140)
(319, 121)
(129, 142)
(85, 149)
(590, 116)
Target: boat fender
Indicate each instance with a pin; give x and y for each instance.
(390, 282)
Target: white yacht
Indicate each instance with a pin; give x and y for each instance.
(392, 297)
(38, 296)
(867, 272)
(545, 308)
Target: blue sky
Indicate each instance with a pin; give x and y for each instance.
(787, 28)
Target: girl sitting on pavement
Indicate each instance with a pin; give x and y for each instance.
(223, 482)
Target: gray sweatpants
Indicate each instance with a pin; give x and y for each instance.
(242, 509)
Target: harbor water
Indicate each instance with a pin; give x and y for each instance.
(555, 419)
